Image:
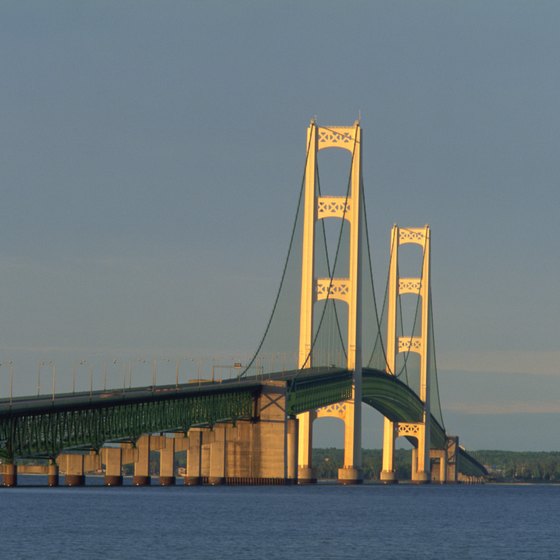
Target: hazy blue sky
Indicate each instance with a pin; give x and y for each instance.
(150, 161)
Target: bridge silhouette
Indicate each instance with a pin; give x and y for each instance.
(339, 349)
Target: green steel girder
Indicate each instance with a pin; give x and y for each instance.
(391, 397)
(397, 402)
(468, 465)
(308, 393)
(47, 433)
(383, 392)
(318, 387)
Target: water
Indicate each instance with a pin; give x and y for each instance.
(314, 522)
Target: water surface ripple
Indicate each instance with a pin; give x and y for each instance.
(314, 522)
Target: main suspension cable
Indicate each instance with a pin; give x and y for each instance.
(377, 319)
(292, 236)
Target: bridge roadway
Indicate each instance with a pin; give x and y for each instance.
(44, 427)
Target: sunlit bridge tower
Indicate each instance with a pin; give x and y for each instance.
(347, 290)
(420, 430)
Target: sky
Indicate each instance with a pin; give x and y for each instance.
(151, 155)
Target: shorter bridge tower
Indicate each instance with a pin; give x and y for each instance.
(419, 430)
(348, 290)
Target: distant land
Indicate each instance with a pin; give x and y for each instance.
(502, 466)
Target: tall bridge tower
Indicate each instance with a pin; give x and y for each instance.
(347, 290)
(420, 431)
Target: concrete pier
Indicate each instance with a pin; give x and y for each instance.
(262, 451)
(444, 462)
(167, 462)
(194, 456)
(470, 479)
(349, 475)
(10, 475)
(292, 434)
(142, 462)
(438, 461)
(306, 473)
(74, 469)
(217, 472)
(388, 477)
(112, 457)
(452, 450)
(52, 474)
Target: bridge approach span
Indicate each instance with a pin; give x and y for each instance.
(44, 427)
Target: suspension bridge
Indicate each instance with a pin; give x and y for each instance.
(341, 348)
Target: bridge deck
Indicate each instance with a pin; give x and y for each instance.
(43, 426)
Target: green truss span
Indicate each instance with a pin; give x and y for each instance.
(383, 392)
(41, 427)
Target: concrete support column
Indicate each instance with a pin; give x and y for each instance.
(414, 465)
(292, 450)
(350, 475)
(452, 448)
(306, 474)
(388, 474)
(443, 468)
(194, 456)
(424, 474)
(142, 462)
(217, 473)
(92, 462)
(113, 466)
(167, 462)
(10, 475)
(52, 474)
(269, 436)
(438, 459)
(351, 472)
(74, 470)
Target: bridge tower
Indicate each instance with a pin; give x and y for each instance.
(419, 430)
(347, 290)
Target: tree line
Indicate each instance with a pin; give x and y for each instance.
(520, 466)
(502, 466)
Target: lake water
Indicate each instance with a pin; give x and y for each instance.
(311, 522)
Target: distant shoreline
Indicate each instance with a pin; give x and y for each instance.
(507, 467)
